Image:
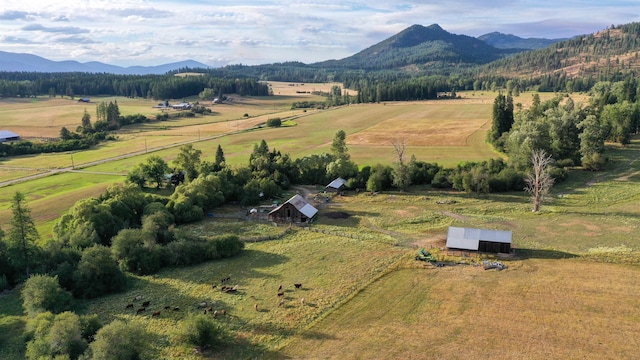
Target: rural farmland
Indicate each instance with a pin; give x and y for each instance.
(362, 294)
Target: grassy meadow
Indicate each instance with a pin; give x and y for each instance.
(570, 290)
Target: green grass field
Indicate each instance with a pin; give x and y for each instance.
(570, 291)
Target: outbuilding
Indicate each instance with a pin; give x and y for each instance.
(295, 210)
(336, 185)
(481, 240)
(6, 135)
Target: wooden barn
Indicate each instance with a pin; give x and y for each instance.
(295, 210)
(336, 185)
(481, 240)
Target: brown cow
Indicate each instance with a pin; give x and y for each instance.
(157, 313)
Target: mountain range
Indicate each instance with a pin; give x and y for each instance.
(33, 63)
(430, 45)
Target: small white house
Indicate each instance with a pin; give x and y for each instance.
(336, 185)
(482, 240)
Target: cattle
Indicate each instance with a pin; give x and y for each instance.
(137, 298)
(281, 294)
(215, 314)
(177, 308)
(202, 305)
(129, 306)
(223, 312)
(281, 303)
(279, 288)
(298, 286)
(256, 307)
(302, 301)
(210, 309)
(156, 313)
(141, 310)
(214, 287)
(146, 303)
(167, 307)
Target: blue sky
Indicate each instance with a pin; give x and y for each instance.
(153, 32)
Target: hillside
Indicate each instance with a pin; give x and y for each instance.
(603, 54)
(421, 46)
(509, 41)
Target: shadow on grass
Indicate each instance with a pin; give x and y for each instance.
(543, 254)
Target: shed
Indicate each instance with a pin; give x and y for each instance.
(336, 185)
(6, 135)
(296, 210)
(482, 240)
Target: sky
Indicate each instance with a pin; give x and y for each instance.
(217, 33)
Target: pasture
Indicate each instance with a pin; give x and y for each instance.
(569, 292)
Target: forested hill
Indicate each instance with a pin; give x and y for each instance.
(509, 41)
(606, 55)
(420, 47)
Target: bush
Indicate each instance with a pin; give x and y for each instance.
(58, 337)
(43, 293)
(202, 331)
(228, 245)
(275, 122)
(122, 341)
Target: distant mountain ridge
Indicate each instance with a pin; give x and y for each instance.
(33, 63)
(509, 41)
(418, 45)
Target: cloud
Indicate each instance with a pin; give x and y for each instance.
(73, 39)
(60, 18)
(145, 13)
(16, 40)
(60, 29)
(15, 15)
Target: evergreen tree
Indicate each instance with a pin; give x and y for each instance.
(23, 235)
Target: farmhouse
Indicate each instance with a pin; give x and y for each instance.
(482, 240)
(6, 135)
(295, 210)
(336, 185)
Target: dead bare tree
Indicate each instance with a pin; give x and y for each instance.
(539, 181)
(401, 175)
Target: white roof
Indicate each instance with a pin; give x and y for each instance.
(469, 238)
(5, 134)
(337, 183)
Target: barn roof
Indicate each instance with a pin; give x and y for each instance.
(469, 238)
(300, 204)
(337, 183)
(6, 134)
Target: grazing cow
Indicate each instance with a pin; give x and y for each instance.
(138, 298)
(281, 303)
(129, 306)
(214, 287)
(157, 313)
(223, 288)
(202, 305)
(302, 301)
(298, 286)
(256, 307)
(215, 314)
(223, 312)
(177, 308)
(167, 307)
(146, 303)
(279, 288)
(205, 311)
(210, 309)
(281, 294)
(141, 310)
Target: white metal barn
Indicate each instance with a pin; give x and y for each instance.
(482, 240)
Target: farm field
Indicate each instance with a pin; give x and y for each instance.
(365, 295)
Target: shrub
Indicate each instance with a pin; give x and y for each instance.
(275, 122)
(122, 341)
(202, 331)
(43, 293)
(228, 245)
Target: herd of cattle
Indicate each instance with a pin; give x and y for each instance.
(207, 307)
